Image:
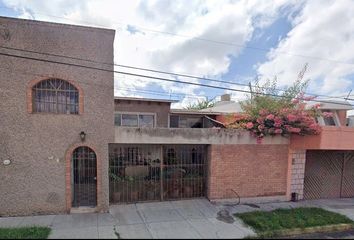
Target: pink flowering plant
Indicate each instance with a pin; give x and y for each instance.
(267, 112)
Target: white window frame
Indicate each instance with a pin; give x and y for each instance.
(136, 113)
(321, 120)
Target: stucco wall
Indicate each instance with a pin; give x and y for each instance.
(37, 143)
(190, 136)
(330, 138)
(161, 109)
(249, 170)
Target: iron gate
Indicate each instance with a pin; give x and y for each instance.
(329, 174)
(84, 167)
(155, 172)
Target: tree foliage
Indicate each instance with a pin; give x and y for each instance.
(201, 104)
(270, 111)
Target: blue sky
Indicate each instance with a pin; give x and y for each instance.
(266, 39)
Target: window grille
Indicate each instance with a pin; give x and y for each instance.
(55, 96)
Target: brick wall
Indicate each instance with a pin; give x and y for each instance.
(298, 172)
(254, 170)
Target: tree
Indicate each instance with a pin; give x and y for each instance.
(201, 104)
(269, 111)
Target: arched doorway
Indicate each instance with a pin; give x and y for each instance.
(84, 177)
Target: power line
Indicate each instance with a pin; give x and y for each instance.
(159, 78)
(197, 38)
(131, 67)
(163, 93)
(175, 94)
(157, 71)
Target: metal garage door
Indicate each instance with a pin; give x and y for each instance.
(329, 174)
(348, 176)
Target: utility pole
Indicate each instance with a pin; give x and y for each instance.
(250, 86)
(348, 95)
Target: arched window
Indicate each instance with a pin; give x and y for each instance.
(55, 96)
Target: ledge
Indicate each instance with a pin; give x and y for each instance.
(330, 138)
(190, 136)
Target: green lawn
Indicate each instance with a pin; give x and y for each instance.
(283, 219)
(25, 233)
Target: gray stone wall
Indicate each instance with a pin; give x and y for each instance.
(298, 172)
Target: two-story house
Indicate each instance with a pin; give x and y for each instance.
(67, 144)
(56, 116)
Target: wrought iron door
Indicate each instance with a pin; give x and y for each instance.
(84, 164)
(156, 172)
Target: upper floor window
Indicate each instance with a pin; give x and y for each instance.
(177, 121)
(55, 96)
(330, 119)
(134, 120)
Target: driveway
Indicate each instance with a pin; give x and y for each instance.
(174, 219)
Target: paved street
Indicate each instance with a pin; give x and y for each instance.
(174, 219)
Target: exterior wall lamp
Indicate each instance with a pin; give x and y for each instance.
(82, 136)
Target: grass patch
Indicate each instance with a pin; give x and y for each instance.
(286, 219)
(25, 233)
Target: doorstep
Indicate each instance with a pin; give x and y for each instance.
(83, 210)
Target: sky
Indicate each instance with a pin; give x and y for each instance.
(228, 40)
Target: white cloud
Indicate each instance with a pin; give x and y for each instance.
(223, 21)
(323, 30)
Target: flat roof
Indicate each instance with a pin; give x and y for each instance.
(55, 24)
(145, 99)
(193, 111)
(330, 104)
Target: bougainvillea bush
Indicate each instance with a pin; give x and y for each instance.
(267, 112)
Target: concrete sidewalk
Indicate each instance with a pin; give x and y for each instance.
(174, 219)
(193, 219)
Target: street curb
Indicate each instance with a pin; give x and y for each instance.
(299, 231)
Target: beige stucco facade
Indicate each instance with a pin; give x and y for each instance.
(37, 143)
(160, 109)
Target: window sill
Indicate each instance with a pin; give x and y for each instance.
(56, 114)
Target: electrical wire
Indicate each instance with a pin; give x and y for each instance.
(162, 72)
(159, 78)
(197, 38)
(133, 90)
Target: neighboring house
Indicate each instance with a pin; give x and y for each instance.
(178, 153)
(323, 165)
(66, 143)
